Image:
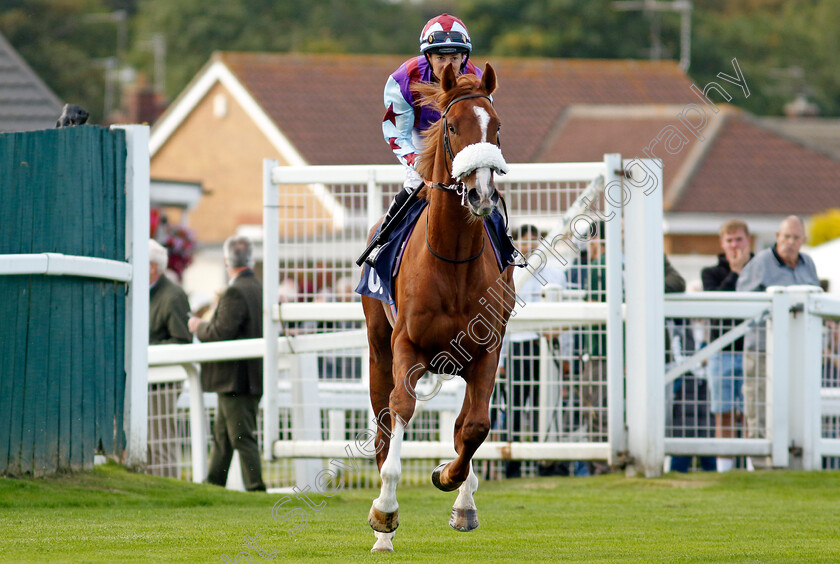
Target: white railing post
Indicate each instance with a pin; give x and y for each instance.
(547, 385)
(805, 380)
(198, 431)
(374, 199)
(776, 384)
(135, 417)
(306, 412)
(645, 317)
(614, 198)
(271, 327)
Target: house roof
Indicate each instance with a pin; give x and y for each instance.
(751, 169)
(741, 167)
(816, 132)
(326, 109)
(587, 132)
(26, 103)
(329, 107)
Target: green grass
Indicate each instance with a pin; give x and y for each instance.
(110, 515)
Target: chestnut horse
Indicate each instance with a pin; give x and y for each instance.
(443, 324)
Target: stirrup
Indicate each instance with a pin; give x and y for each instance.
(518, 259)
(374, 254)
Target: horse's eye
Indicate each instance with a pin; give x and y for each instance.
(452, 129)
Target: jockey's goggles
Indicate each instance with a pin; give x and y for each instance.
(437, 37)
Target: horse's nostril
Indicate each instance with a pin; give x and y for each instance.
(473, 198)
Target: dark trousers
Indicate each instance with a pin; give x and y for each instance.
(235, 429)
(692, 418)
(524, 378)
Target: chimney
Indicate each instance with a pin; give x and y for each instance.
(141, 104)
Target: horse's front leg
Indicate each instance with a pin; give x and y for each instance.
(384, 515)
(464, 516)
(472, 428)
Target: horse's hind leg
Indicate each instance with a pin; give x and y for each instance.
(384, 514)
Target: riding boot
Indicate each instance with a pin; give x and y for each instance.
(396, 204)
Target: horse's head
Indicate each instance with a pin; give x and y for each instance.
(469, 134)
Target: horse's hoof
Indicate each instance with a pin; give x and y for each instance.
(384, 542)
(436, 479)
(383, 522)
(464, 520)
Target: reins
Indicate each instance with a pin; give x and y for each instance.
(443, 258)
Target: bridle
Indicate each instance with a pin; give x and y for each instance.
(458, 187)
(447, 145)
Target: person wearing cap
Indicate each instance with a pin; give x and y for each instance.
(444, 41)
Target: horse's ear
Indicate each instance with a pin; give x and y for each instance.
(488, 79)
(447, 81)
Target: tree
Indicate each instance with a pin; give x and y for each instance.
(554, 28)
(784, 47)
(195, 28)
(62, 48)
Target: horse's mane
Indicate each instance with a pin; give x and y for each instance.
(431, 94)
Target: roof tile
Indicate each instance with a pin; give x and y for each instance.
(751, 169)
(330, 106)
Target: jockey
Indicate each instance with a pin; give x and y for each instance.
(443, 41)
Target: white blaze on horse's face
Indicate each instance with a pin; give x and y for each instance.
(483, 120)
(479, 161)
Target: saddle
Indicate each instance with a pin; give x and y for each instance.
(378, 281)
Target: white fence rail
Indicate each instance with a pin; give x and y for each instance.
(313, 409)
(796, 419)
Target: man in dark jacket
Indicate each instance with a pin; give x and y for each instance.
(168, 304)
(168, 312)
(725, 369)
(238, 383)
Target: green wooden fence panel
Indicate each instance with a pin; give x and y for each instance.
(62, 380)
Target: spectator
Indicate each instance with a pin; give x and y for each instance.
(169, 307)
(689, 393)
(593, 345)
(238, 383)
(690, 405)
(725, 369)
(168, 312)
(519, 375)
(781, 265)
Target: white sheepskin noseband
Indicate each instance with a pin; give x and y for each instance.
(476, 156)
